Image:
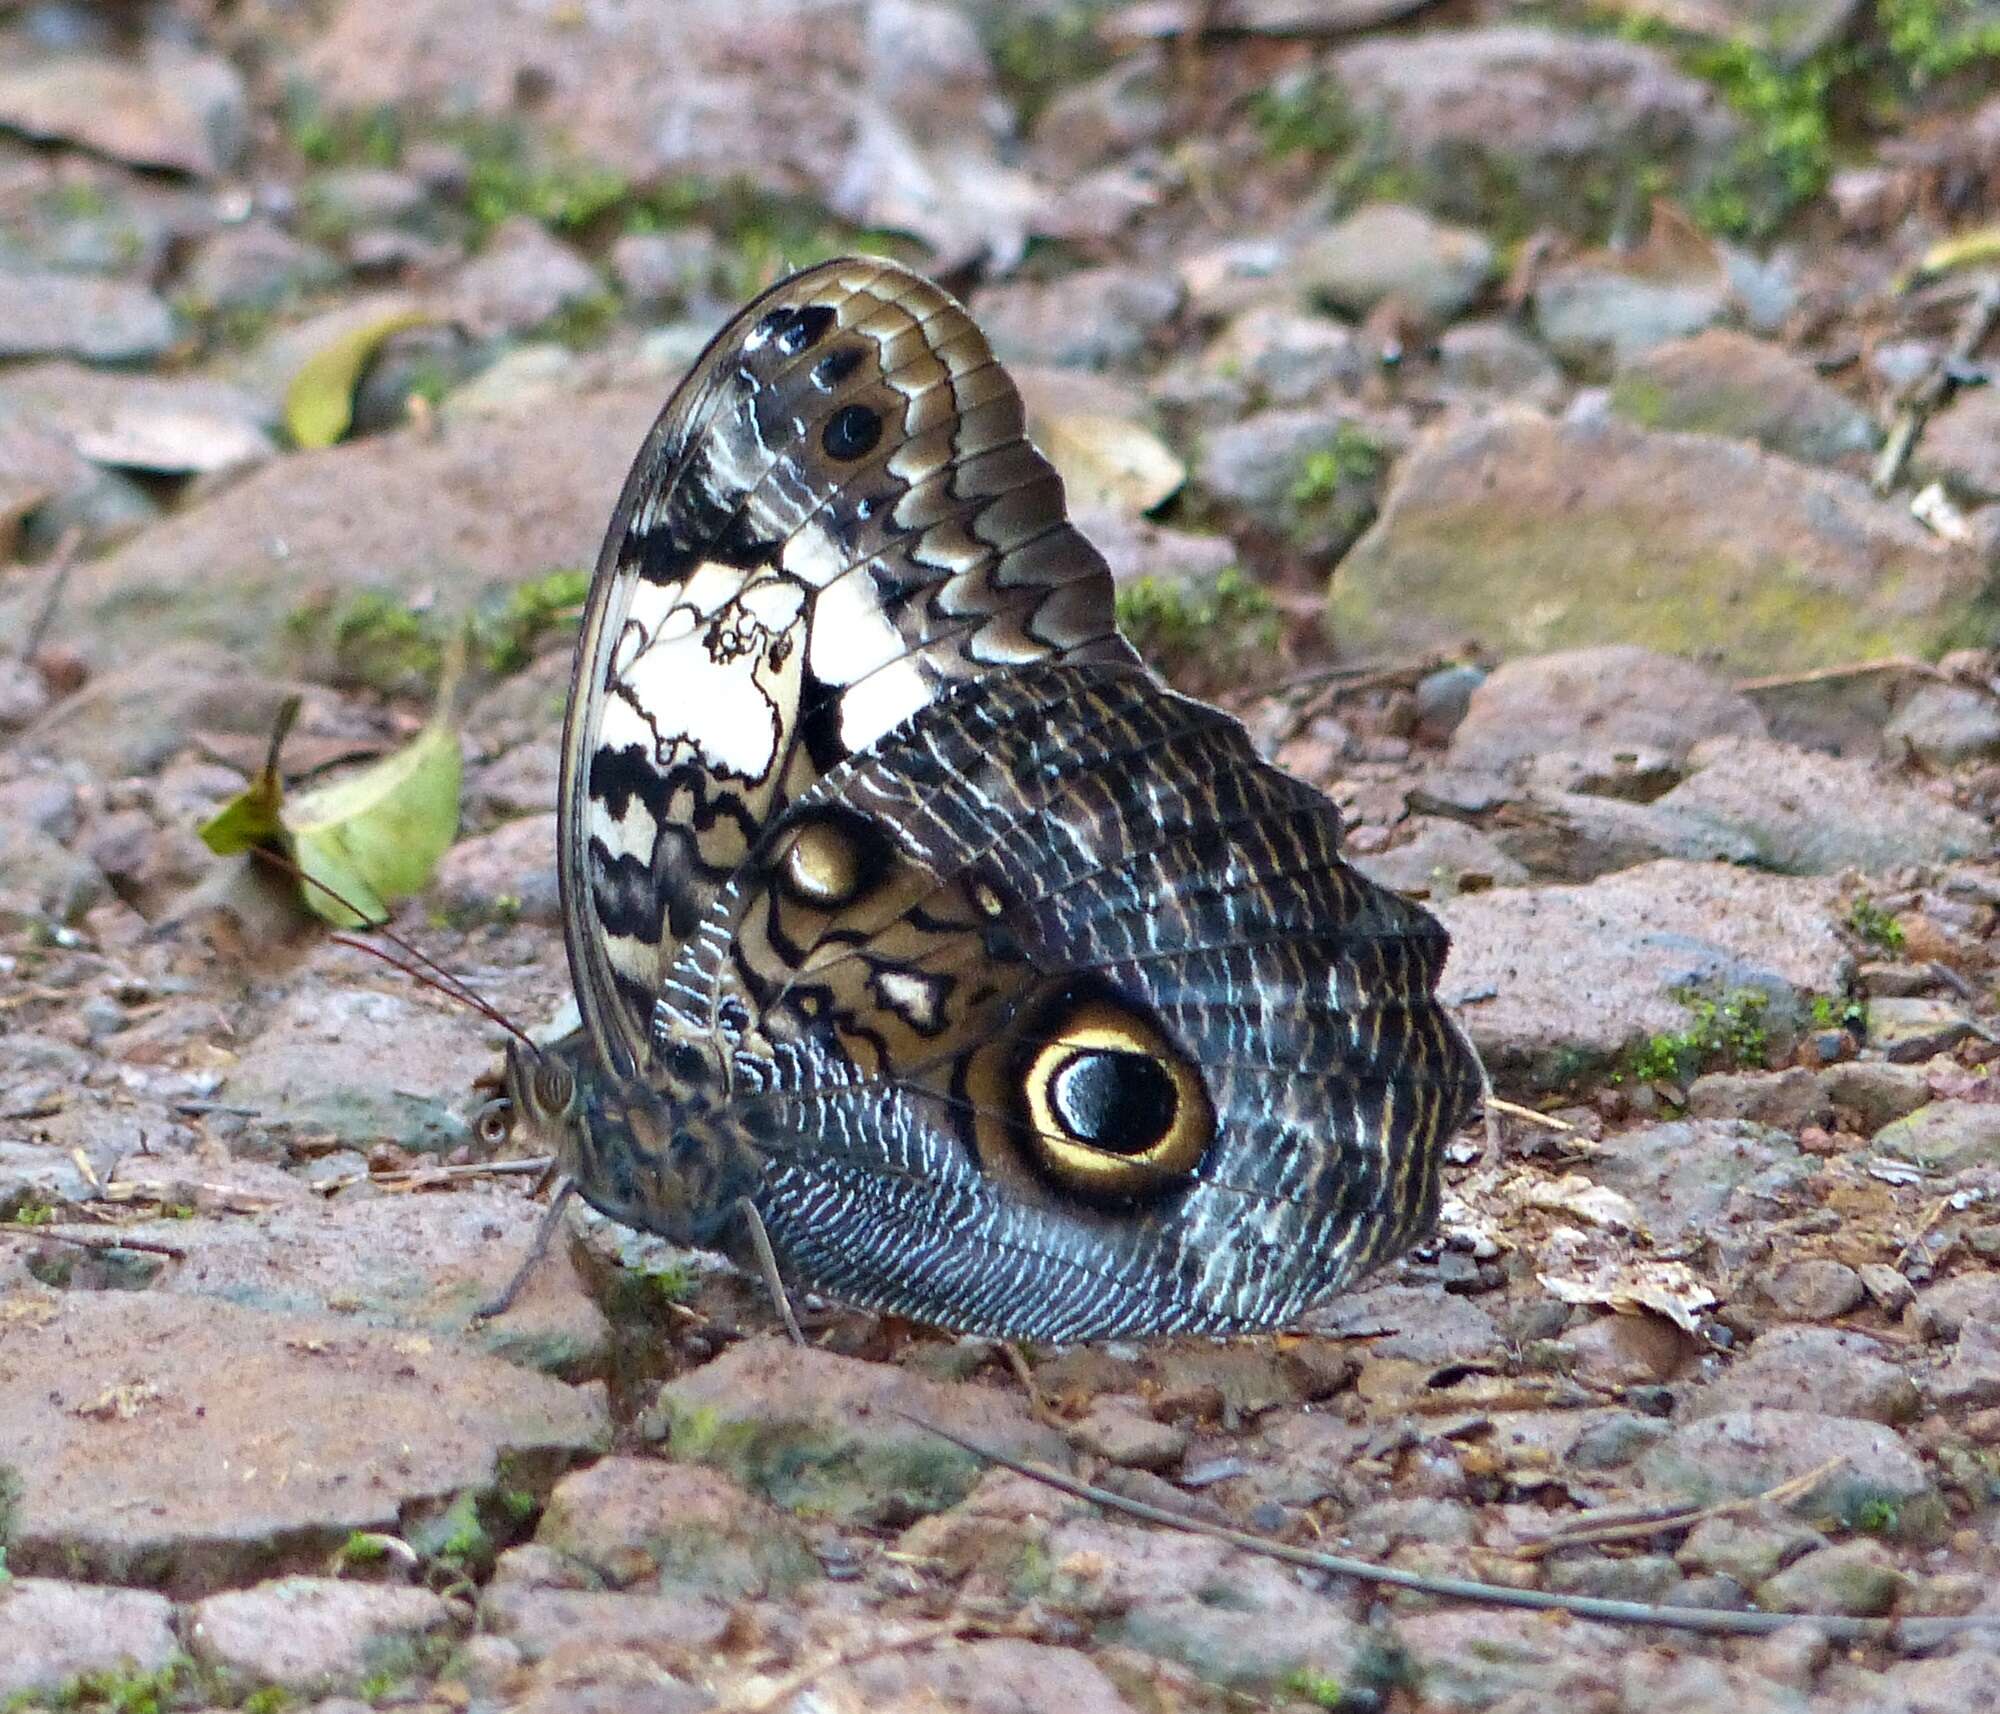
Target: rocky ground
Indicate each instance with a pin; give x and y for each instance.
(1622, 367)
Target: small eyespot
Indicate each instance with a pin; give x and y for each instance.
(851, 432)
(827, 864)
(836, 366)
(493, 1124)
(803, 327)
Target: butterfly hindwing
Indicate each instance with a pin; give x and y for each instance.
(1057, 1014)
(836, 517)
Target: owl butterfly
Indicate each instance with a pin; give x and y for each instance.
(927, 946)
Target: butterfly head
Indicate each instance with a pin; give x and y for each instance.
(543, 1099)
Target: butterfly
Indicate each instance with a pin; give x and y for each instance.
(930, 951)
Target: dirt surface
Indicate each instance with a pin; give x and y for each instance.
(1561, 433)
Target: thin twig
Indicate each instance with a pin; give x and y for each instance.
(60, 565)
(1665, 1520)
(760, 1699)
(1982, 316)
(1703, 1621)
(423, 1177)
(95, 1240)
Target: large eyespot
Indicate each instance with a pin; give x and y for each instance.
(1112, 1108)
(832, 860)
(851, 432)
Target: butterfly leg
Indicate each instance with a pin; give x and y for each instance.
(544, 1235)
(767, 1265)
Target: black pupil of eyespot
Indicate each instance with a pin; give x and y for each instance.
(1122, 1103)
(851, 431)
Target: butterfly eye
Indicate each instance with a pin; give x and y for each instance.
(554, 1087)
(1113, 1109)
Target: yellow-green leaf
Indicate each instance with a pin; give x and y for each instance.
(376, 835)
(319, 404)
(255, 816)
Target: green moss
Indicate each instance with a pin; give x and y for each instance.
(1874, 925)
(1304, 113)
(511, 174)
(1197, 629)
(1878, 1517)
(1932, 39)
(111, 1692)
(1321, 1689)
(821, 1469)
(32, 1213)
(1724, 1034)
(1038, 52)
(507, 639)
(583, 322)
(1844, 1012)
(379, 641)
(457, 1536)
(1354, 457)
(324, 137)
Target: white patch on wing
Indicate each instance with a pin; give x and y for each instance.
(853, 642)
(693, 675)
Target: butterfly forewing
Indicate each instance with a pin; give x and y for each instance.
(836, 515)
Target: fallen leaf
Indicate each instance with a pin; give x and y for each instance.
(362, 841)
(1666, 1288)
(1593, 1203)
(319, 403)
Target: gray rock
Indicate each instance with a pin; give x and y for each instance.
(521, 279)
(1650, 1577)
(171, 109)
(982, 1677)
(41, 875)
(1727, 383)
(1598, 316)
(1614, 696)
(1389, 251)
(172, 425)
(638, 1523)
(1313, 476)
(483, 505)
(1491, 358)
(666, 270)
(1747, 1546)
(1119, 1431)
(500, 876)
(1095, 318)
(312, 1635)
(1820, 1369)
(1439, 857)
(1908, 1029)
(1745, 1452)
(1718, 1177)
(53, 314)
(1534, 535)
(539, 1621)
(100, 1378)
(1443, 697)
(1946, 724)
(253, 267)
(52, 1634)
(1971, 1380)
(1813, 814)
(1944, 1136)
(1788, 1098)
(1282, 357)
(1616, 1351)
(826, 1435)
(1844, 1577)
(1961, 444)
(1553, 118)
(1943, 1311)
(1578, 836)
(1870, 1092)
(1471, 1661)
(1616, 1440)
(1556, 981)
(1222, 1614)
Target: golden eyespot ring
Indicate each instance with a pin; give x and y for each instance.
(822, 867)
(1113, 1109)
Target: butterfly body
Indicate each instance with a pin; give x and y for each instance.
(914, 923)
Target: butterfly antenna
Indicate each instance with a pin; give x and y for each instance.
(421, 968)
